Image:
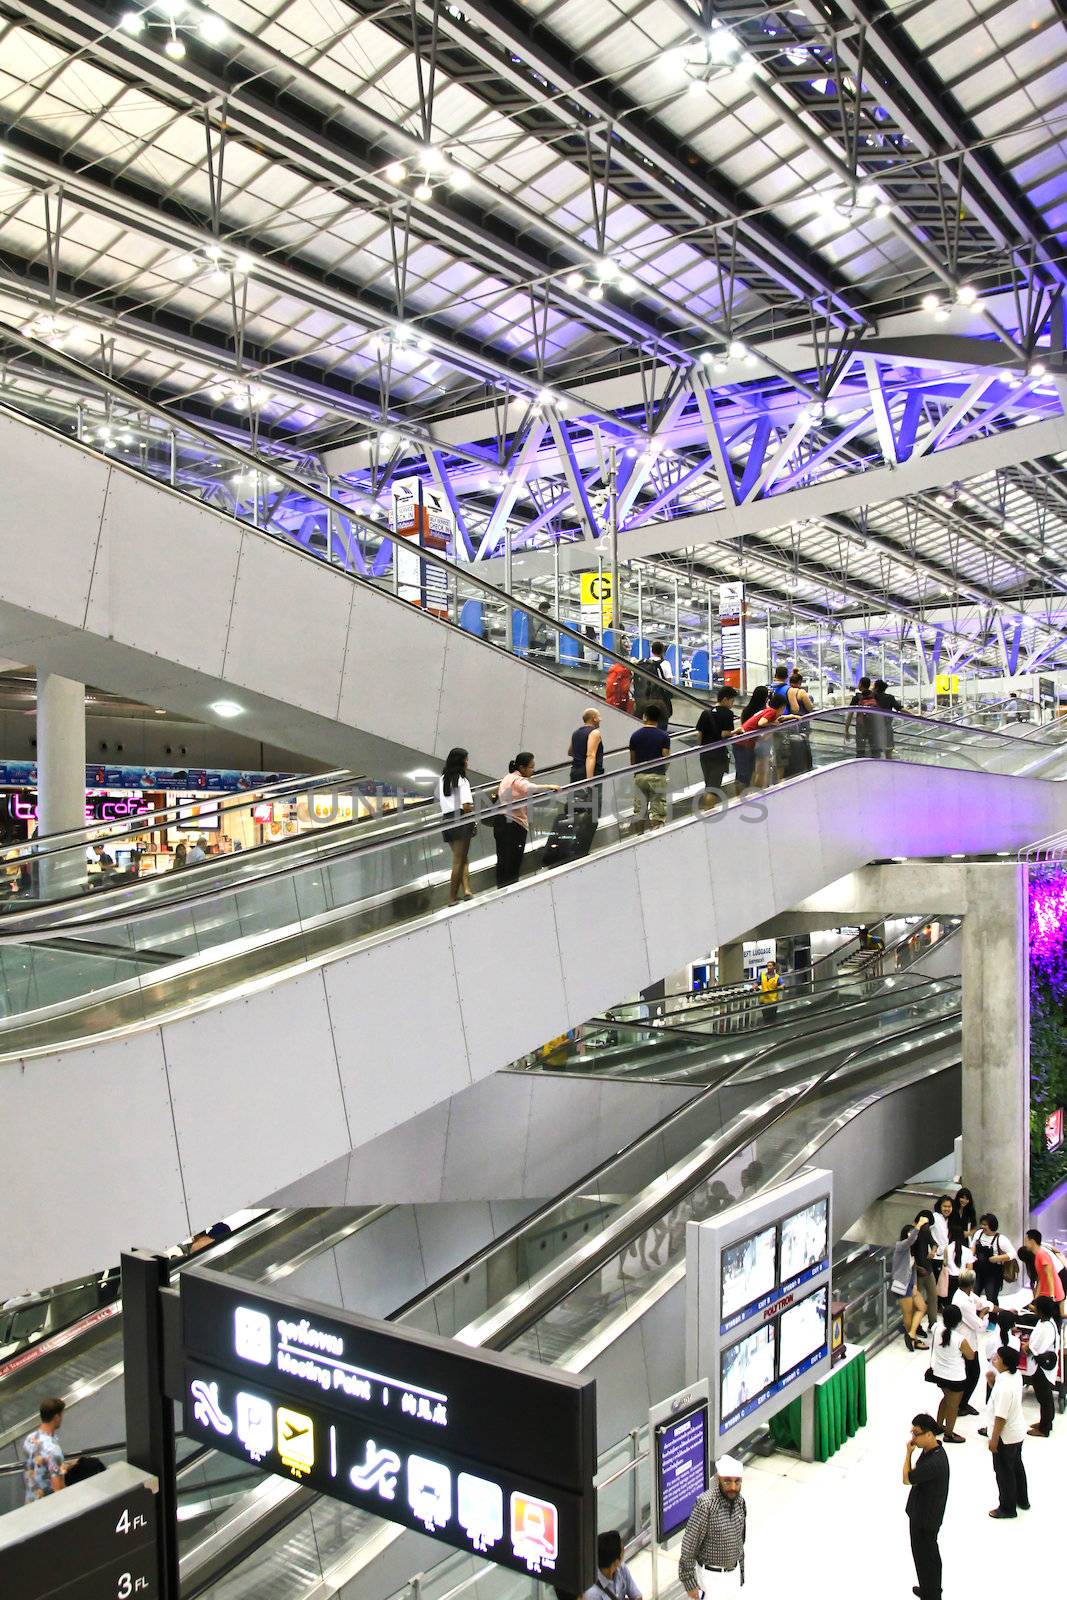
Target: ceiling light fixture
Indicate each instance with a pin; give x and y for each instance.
(930, 303)
(573, 281)
(458, 176)
(424, 191)
(213, 28)
(132, 22)
(174, 48)
(396, 172)
(226, 708)
(966, 294)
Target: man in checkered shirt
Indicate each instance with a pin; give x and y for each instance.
(713, 1545)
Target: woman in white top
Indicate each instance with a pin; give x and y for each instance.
(1042, 1355)
(456, 800)
(949, 1353)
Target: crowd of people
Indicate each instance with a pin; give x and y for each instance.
(771, 741)
(989, 1317)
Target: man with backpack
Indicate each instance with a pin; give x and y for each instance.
(657, 692)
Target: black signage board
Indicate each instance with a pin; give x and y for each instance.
(486, 1452)
(506, 1516)
(106, 1551)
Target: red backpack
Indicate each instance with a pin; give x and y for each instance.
(617, 688)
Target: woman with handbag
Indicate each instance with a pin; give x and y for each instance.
(457, 802)
(995, 1261)
(1043, 1355)
(950, 1351)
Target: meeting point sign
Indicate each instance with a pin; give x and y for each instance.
(487, 1453)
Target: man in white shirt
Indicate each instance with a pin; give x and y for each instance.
(974, 1313)
(1007, 1430)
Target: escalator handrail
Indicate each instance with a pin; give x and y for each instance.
(47, 916)
(287, 479)
(681, 1031)
(535, 1302)
(436, 824)
(595, 1174)
(565, 1276)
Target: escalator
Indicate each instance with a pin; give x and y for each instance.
(258, 1052)
(573, 1281)
(298, 632)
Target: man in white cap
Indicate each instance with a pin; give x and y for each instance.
(713, 1545)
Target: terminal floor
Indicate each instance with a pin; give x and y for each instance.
(840, 1526)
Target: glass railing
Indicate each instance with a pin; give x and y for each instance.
(281, 494)
(116, 969)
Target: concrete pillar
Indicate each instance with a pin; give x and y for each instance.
(60, 775)
(732, 962)
(996, 1044)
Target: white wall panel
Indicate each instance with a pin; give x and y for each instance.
(255, 1093)
(391, 679)
(193, 584)
(91, 1166)
(398, 1028)
(53, 500)
(594, 903)
(509, 974)
(477, 1160)
(289, 626)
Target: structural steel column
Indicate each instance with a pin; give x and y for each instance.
(60, 773)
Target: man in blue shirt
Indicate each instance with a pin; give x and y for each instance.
(650, 786)
(43, 1462)
(614, 1580)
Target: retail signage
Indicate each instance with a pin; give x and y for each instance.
(758, 1302)
(96, 1541)
(596, 600)
(732, 633)
(421, 516)
(23, 775)
(22, 807)
(678, 1428)
(487, 1453)
(946, 684)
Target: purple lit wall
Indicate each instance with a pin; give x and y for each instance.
(1048, 929)
(1048, 1028)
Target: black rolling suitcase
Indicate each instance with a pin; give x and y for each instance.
(570, 839)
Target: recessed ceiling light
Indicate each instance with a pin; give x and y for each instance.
(226, 708)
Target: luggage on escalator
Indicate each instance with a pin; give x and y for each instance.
(571, 836)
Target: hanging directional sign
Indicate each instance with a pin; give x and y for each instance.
(483, 1451)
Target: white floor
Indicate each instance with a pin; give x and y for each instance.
(814, 1529)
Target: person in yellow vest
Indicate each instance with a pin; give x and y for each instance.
(769, 990)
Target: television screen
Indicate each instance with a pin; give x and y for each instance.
(803, 1332)
(805, 1239)
(748, 1271)
(746, 1372)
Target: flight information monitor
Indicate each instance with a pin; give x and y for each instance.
(747, 1371)
(749, 1275)
(805, 1243)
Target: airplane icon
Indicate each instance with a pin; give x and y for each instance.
(296, 1440)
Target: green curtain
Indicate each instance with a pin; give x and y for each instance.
(840, 1409)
